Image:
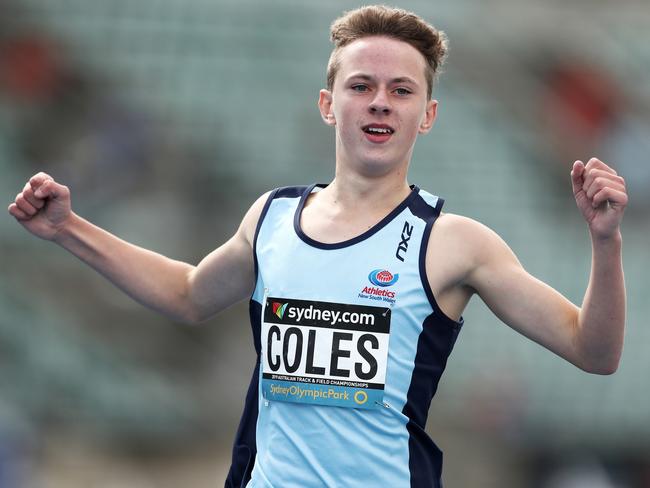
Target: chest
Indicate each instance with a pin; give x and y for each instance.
(340, 321)
(347, 309)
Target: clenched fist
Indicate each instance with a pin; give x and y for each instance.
(42, 207)
(600, 195)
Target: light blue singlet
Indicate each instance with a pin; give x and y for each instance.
(351, 345)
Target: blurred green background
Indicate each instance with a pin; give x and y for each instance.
(167, 118)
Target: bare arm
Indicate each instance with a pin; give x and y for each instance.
(601, 197)
(591, 337)
(176, 289)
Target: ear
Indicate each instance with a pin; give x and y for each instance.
(325, 107)
(429, 116)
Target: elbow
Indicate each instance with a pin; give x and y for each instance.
(603, 368)
(190, 320)
(192, 316)
(606, 370)
(602, 371)
(186, 312)
(190, 312)
(196, 313)
(601, 356)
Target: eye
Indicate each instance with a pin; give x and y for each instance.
(361, 88)
(402, 91)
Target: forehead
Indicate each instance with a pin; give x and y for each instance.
(382, 57)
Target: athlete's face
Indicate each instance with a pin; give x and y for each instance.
(378, 104)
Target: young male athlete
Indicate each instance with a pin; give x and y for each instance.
(356, 295)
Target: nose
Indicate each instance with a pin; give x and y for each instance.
(380, 103)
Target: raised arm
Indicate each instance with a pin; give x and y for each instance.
(590, 336)
(176, 289)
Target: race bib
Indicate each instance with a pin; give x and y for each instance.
(324, 353)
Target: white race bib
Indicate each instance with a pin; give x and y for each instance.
(324, 353)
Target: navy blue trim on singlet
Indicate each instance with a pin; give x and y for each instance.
(291, 191)
(265, 209)
(423, 210)
(244, 449)
(437, 339)
(355, 240)
(283, 192)
(434, 347)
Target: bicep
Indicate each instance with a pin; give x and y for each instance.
(520, 300)
(223, 277)
(227, 274)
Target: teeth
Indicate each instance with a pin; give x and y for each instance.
(379, 130)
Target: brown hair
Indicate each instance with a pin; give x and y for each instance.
(379, 20)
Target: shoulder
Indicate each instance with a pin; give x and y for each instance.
(252, 217)
(257, 210)
(464, 244)
(460, 230)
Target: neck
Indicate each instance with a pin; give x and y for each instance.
(357, 191)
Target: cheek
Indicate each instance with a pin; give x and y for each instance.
(418, 119)
(411, 125)
(347, 122)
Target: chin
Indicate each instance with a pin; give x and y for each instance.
(379, 167)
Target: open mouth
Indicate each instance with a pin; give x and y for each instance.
(378, 129)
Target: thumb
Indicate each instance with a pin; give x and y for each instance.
(577, 179)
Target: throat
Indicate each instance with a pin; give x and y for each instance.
(336, 228)
(329, 220)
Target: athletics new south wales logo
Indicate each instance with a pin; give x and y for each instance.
(381, 279)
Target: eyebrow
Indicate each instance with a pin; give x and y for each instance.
(401, 79)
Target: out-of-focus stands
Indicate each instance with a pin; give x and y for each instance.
(167, 119)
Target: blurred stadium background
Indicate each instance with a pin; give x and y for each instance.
(167, 118)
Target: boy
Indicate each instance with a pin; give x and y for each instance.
(356, 295)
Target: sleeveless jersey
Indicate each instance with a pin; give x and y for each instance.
(350, 347)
